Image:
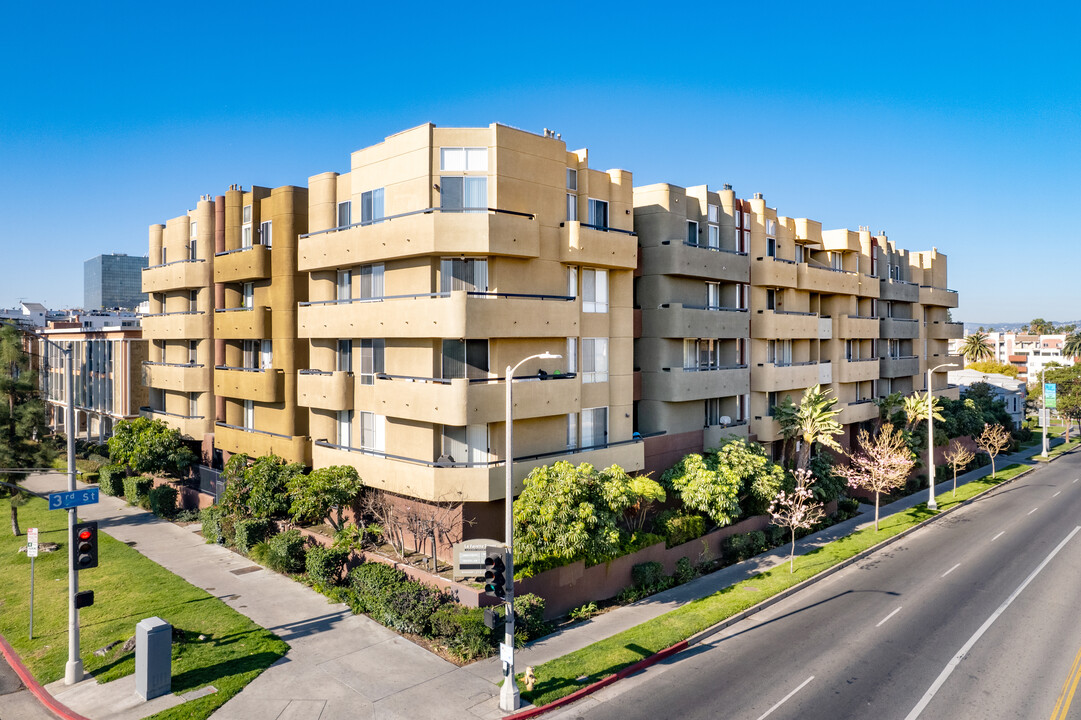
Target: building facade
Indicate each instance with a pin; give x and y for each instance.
(113, 281)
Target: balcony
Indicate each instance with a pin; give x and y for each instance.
(898, 290)
(765, 428)
(854, 327)
(243, 265)
(249, 383)
(469, 402)
(325, 390)
(187, 377)
(242, 323)
(686, 384)
(176, 275)
(176, 326)
(857, 411)
(257, 443)
(713, 435)
(899, 328)
(826, 280)
(191, 426)
(858, 370)
(769, 377)
(674, 320)
(895, 367)
(945, 330)
(453, 315)
(870, 286)
(773, 324)
(477, 482)
(582, 244)
(773, 272)
(423, 232)
(675, 257)
(941, 297)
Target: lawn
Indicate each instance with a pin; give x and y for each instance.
(127, 588)
(1059, 449)
(559, 677)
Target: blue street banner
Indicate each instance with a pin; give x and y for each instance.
(67, 500)
(1050, 395)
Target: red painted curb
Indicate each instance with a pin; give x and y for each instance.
(590, 689)
(58, 708)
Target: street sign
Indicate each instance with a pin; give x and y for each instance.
(469, 557)
(1050, 395)
(32, 542)
(66, 500)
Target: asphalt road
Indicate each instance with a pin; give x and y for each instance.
(16, 702)
(975, 616)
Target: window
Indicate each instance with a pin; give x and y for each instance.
(463, 193)
(345, 428)
(743, 292)
(598, 213)
(245, 230)
(572, 179)
(836, 261)
(193, 301)
(194, 226)
(572, 282)
(373, 430)
(594, 291)
(741, 352)
(249, 415)
(465, 443)
(713, 296)
(739, 218)
(874, 260)
(344, 285)
(345, 355)
(692, 232)
(701, 354)
(742, 403)
(465, 359)
(192, 252)
(799, 253)
(248, 295)
(164, 255)
(852, 349)
(713, 236)
(371, 206)
(594, 360)
(743, 241)
(469, 274)
(266, 354)
(250, 358)
(771, 228)
(779, 352)
(193, 404)
(572, 207)
(771, 403)
(771, 247)
(371, 281)
(572, 355)
(193, 352)
(572, 431)
(771, 299)
(714, 413)
(371, 360)
(345, 213)
(595, 426)
(468, 159)
(714, 213)
(265, 233)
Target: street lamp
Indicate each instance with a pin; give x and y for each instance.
(508, 695)
(931, 504)
(73, 671)
(1045, 417)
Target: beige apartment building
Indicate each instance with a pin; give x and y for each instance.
(223, 293)
(442, 257)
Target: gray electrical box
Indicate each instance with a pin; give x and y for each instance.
(153, 658)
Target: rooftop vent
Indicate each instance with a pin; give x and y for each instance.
(726, 186)
(758, 196)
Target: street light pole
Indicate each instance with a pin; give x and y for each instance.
(1045, 417)
(508, 695)
(931, 504)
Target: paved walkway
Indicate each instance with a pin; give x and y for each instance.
(345, 666)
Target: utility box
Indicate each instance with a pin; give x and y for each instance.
(153, 658)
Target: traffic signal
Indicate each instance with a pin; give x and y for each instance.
(495, 579)
(85, 539)
(84, 598)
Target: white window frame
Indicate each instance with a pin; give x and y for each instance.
(454, 274)
(595, 206)
(372, 359)
(193, 404)
(572, 431)
(692, 232)
(463, 159)
(344, 355)
(345, 213)
(344, 285)
(266, 354)
(373, 276)
(572, 207)
(713, 295)
(572, 355)
(597, 302)
(249, 415)
(572, 281)
(248, 295)
(714, 411)
(713, 236)
(345, 428)
(572, 179)
(713, 212)
(193, 301)
(595, 360)
(372, 208)
(589, 421)
(266, 233)
(373, 432)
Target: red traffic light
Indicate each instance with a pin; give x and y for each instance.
(85, 534)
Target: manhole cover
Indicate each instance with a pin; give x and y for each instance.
(245, 571)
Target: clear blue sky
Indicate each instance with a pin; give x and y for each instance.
(954, 125)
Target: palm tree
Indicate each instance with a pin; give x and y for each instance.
(888, 405)
(976, 347)
(815, 420)
(915, 407)
(1072, 346)
(786, 413)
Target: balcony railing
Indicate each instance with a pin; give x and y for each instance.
(176, 365)
(775, 259)
(174, 262)
(253, 430)
(602, 228)
(688, 243)
(175, 312)
(712, 308)
(417, 296)
(425, 211)
(152, 411)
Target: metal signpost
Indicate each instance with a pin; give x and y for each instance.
(1050, 400)
(32, 552)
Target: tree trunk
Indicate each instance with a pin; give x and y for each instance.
(15, 521)
(804, 456)
(955, 481)
(992, 467)
(876, 511)
(792, 555)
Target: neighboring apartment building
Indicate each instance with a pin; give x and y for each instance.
(1012, 391)
(444, 256)
(113, 281)
(108, 376)
(223, 294)
(1028, 353)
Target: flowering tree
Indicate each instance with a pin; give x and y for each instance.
(958, 456)
(796, 510)
(881, 464)
(993, 440)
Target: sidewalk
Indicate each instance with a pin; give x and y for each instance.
(345, 666)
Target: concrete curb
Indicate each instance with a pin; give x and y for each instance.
(698, 637)
(55, 706)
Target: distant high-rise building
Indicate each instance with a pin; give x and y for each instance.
(113, 281)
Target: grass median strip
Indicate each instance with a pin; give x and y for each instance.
(1059, 449)
(230, 653)
(575, 670)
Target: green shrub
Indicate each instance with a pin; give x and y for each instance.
(746, 545)
(249, 533)
(647, 575)
(373, 583)
(325, 565)
(685, 570)
(529, 616)
(211, 519)
(776, 536)
(111, 479)
(410, 606)
(462, 631)
(584, 612)
(849, 505)
(684, 528)
(291, 547)
(137, 489)
(163, 500)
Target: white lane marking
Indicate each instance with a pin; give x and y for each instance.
(960, 655)
(951, 570)
(1056, 494)
(880, 622)
(1075, 480)
(1032, 510)
(785, 698)
(996, 537)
